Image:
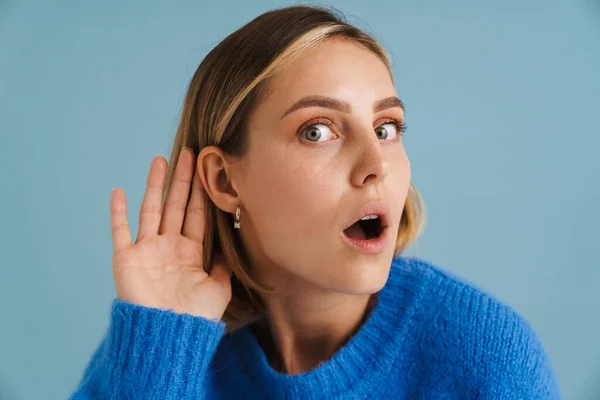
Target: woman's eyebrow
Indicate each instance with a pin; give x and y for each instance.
(341, 105)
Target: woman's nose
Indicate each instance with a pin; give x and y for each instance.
(372, 164)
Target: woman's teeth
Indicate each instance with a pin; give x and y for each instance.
(369, 217)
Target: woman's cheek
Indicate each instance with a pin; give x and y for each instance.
(300, 194)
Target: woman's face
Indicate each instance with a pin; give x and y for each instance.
(309, 171)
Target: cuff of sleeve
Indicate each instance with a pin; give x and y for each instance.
(159, 350)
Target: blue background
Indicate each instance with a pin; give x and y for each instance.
(502, 111)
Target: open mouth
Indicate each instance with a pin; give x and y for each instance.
(368, 228)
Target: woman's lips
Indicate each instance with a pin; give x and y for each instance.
(358, 240)
(373, 207)
(368, 246)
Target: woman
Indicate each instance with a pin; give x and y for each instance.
(268, 259)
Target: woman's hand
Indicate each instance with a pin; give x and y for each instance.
(163, 269)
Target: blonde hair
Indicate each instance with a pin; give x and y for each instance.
(229, 82)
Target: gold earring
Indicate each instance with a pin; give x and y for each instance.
(237, 224)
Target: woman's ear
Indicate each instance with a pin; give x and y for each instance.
(214, 171)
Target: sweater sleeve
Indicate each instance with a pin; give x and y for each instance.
(518, 366)
(151, 353)
(483, 348)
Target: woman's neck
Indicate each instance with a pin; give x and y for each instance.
(293, 348)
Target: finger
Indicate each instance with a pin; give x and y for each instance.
(151, 209)
(220, 270)
(177, 198)
(119, 227)
(195, 216)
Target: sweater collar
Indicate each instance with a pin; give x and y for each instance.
(365, 359)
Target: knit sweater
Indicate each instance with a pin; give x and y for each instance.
(431, 335)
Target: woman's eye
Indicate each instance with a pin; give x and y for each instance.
(387, 131)
(316, 132)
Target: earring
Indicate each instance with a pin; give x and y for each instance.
(237, 224)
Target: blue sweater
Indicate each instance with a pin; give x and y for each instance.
(431, 335)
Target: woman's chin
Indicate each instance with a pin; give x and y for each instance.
(363, 277)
